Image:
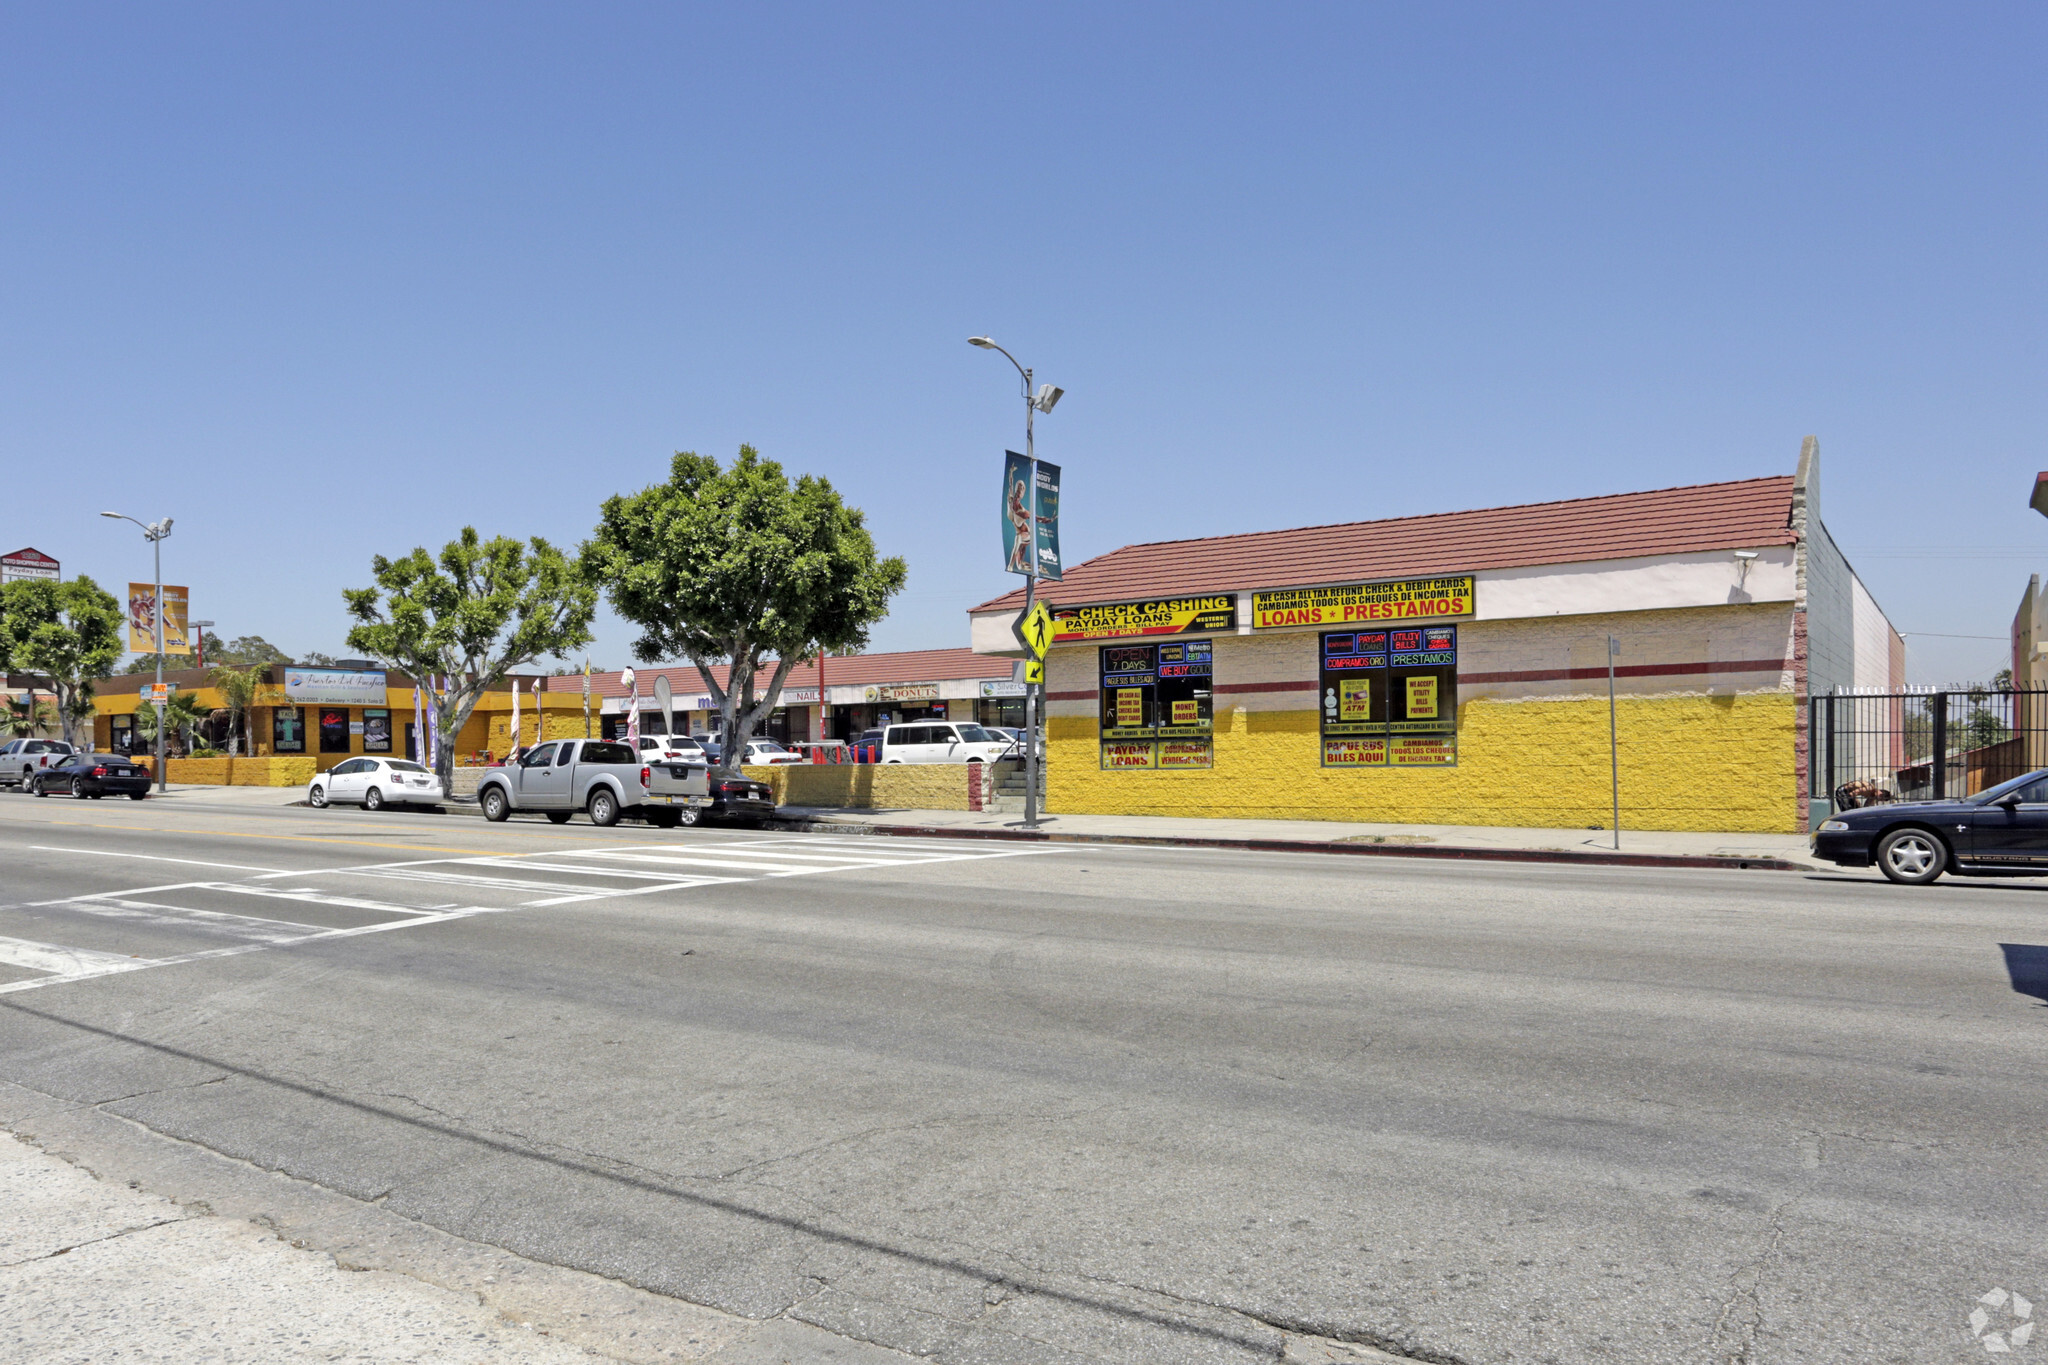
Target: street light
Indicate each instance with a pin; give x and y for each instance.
(1034, 403)
(154, 533)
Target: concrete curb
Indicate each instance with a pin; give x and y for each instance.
(1589, 857)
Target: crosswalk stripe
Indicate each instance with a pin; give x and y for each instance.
(50, 957)
(154, 912)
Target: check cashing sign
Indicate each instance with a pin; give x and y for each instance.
(1163, 616)
(1411, 600)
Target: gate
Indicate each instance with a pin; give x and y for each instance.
(1918, 745)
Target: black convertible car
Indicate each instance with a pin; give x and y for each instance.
(93, 775)
(2002, 829)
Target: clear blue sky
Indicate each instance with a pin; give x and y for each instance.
(326, 281)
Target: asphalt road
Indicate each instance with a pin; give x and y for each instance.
(995, 1104)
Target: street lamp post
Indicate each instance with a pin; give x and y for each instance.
(1033, 404)
(154, 533)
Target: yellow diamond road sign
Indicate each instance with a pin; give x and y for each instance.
(1034, 630)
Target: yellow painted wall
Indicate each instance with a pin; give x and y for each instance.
(291, 770)
(1687, 763)
(868, 786)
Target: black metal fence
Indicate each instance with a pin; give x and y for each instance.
(1868, 747)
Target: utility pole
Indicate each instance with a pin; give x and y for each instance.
(1033, 404)
(154, 533)
(1613, 744)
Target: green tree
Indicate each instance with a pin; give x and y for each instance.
(472, 615)
(181, 713)
(238, 688)
(247, 649)
(69, 631)
(738, 566)
(26, 715)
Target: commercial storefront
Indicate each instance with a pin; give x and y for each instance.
(329, 714)
(1453, 669)
(860, 692)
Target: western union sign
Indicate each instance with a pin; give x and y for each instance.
(1413, 599)
(1174, 616)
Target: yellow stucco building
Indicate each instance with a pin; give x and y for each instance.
(1453, 669)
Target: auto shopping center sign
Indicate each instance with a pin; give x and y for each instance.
(334, 687)
(1412, 599)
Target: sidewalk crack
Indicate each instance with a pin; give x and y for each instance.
(90, 1241)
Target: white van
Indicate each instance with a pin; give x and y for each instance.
(942, 741)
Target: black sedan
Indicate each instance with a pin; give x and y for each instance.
(737, 798)
(2002, 829)
(93, 775)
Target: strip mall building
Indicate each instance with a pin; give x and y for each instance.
(1453, 669)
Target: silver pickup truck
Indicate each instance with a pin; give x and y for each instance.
(600, 776)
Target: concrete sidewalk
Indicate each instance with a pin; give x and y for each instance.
(1484, 841)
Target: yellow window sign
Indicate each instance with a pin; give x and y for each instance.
(1355, 701)
(1414, 599)
(1130, 706)
(1422, 698)
(1187, 712)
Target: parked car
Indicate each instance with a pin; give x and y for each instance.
(21, 759)
(767, 752)
(374, 783)
(605, 777)
(1015, 734)
(741, 798)
(92, 775)
(684, 747)
(2002, 829)
(942, 742)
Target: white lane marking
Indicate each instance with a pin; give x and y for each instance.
(51, 957)
(186, 917)
(312, 896)
(123, 964)
(146, 857)
(786, 857)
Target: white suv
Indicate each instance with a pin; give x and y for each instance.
(21, 759)
(940, 741)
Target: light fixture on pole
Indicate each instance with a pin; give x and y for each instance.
(1043, 400)
(154, 533)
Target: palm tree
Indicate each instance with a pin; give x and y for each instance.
(238, 688)
(181, 713)
(25, 715)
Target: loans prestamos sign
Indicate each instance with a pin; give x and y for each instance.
(1410, 599)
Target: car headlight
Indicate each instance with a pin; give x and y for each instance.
(1834, 824)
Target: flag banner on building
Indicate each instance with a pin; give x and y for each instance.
(1408, 600)
(1173, 616)
(142, 619)
(1018, 550)
(1046, 520)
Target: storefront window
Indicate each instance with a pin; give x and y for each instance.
(1157, 709)
(121, 734)
(376, 732)
(288, 730)
(334, 729)
(1389, 697)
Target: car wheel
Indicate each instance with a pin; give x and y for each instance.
(1912, 857)
(373, 799)
(604, 808)
(35, 786)
(317, 798)
(78, 793)
(559, 817)
(496, 807)
(689, 815)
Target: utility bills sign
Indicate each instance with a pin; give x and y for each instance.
(1413, 599)
(28, 564)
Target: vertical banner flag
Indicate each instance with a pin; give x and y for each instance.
(513, 746)
(1017, 514)
(586, 696)
(1047, 520)
(665, 699)
(418, 752)
(142, 608)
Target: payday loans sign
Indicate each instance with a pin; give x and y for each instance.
(1412, 599)
(1166, 616)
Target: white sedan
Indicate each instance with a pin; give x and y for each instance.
(766, 752)
(374, 783)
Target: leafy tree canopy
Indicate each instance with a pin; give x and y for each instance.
(68, 632)
(469, 616)
(738, 566)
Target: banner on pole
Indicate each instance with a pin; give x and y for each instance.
(142, 608)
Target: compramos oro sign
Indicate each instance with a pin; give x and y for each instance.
(1410, 599)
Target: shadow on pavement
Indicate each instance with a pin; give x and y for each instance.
(2027, 965)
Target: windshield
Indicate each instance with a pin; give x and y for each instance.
(399, 765)
(974, 734)
(1990, 794)
(769, 746)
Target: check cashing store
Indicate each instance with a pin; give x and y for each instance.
(1453, 669)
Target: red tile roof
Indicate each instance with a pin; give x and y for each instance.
(914, 665)
(1709, 516)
